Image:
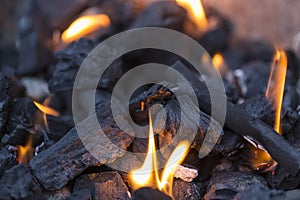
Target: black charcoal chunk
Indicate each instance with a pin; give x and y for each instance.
(59, 126)
(17, 183)
(7, 160)
(80, 195)
(257, 192)
(187, 190)
(5, 99)
(163, 14)
(149, 194)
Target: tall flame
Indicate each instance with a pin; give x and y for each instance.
(85, 25)
(274, 94)
(195, 12)
(276, 84)
(147, 174)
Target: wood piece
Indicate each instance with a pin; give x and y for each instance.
(69, 157)
(109, 186)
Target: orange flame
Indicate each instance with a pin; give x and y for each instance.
(147, 174)
(274, 94)
(25, 153)
(276, 84)
(85, 25)
(195, 12)
(46, 111)
(218, 61)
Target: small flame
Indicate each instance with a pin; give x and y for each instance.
(218, 61)
(274, 94)
(195, 12)
(85, 25)
(25, 153)
(147, 174)
(46, 111)
(276, 84)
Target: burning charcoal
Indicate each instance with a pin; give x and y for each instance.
(59, 14)
(7, 160)
(4, 101)
(109, 186)
(149, 194)
(161, 14)
(69, 157)
(17, 183)
(261, 108)
(22, 122)
(69, 61)
(80, 194)
(256, 192)
(58, 126)
(229, 144)
(217, 39)
(225, 185)
(184, 191)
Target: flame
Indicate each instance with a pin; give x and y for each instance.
(25, 153)
(274, 94)
(85, 25)
(195, 12)
(46, 111)
(147, 174)
(276, 84)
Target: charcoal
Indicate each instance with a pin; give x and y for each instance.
(147, 193)
(257, 192)
(261, 108)
(229, 144)
(255, 50)
(5, 98)
(60, 14)
(59, 126)
(282, 180)
(293, 66)
(80, 194)
(292, 194)
(161, 14)
(22, 122)
(17, 183)
(225, 185)
(7, 160)
(217, 39)
(109, 186)
(184, 190)
(69, 61)
(69, 157)
(234, 58)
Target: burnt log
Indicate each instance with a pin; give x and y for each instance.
(69, 156)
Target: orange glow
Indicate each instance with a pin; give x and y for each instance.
(195, 12)
(85, 25)
(25, 153)
(218, 61)
(147, 174)
(276, 84)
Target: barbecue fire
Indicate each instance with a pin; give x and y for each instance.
(274, 94)
(195, 12)
(85, 25)
(148, 174)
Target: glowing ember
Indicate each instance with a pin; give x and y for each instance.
(218, 61)
(195, 12)
(147, 174)
(25, 153)
(84, 25)
(274, 94)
